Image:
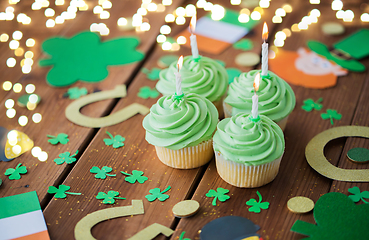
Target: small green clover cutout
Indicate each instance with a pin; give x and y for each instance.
(116, 141)
(146, 92)
(331, 114)
(309, 104)
(76, 92)
(357, 195)
(15, 174)
(61, 138)
(257, 206)
(156, 194)
(61, 191)
(135, 176)
(66, 157)
(181, 237)
(109, 198)
(103, 172)
(244, 44)
(153, 74)
(218, 194)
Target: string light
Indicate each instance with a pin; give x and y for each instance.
(7, 85)
(17, 88)
(4, 37)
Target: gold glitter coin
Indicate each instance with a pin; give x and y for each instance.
(247, 59)
(300, 204)
(186, 208)
(333, 28)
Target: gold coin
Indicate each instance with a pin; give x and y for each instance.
(300, 204)
(247, 59)
(186, 208)
(333, 28)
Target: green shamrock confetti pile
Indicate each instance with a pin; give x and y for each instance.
(256, 206)
(76, 92)
(61, 191)
(135, 176)
(116, 141)
(146, 92)
(219, 194)
(152, 74)
(309, 104)
(244, 44)
(156, 194)
(108, 198)
(66, 157)
(62, 138)
(15, 174)
(331, 114)
(357, 195)
(181, 237)
(103, 172)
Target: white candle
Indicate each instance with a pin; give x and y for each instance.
(255, 98)
(264, 52)
(179, 77)
(194, 49)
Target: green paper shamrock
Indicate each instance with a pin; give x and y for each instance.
(102, 173)
(15, 174)
(218, 194)
(358, 195)
(135, 176)
(84, 57)
(116, 141)
(61, 138)
(65, 157)
(76, 92)
(156, 194)
(166, 60)
(146, 92)
(181, 237)
(244, 44)
(153, 74)
(61, 191)
(232, 73)
(309, 104)
(109, 198)
(257, 206)
(331, 114)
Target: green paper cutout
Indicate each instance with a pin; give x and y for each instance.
(257, 206)
(135, 176)
(116, 141)
(166, 60)
(218, 194)
(62, 138)
(84, 57)
(244, 44)
(357, 195)
(24, 99)
(15, 174)
(76, 92)
(156, 194)
(355, 44)
(309, 104)
(61, 191)
(1, 182)
(232, 73)
(103, 172)
(152, 74)
(181, 237)
(360, 155)
(65, 157)
(337, 217)
(146, 92)
(109, 198)
(331, 114)
(220, 62)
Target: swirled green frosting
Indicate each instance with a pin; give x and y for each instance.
(203, 76)
(276, 98)
(176, 123)
(242, 140)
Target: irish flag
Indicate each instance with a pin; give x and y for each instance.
(21, 218)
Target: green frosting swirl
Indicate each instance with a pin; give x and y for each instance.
(176, 123)
(276, 98)
(242, 140)
(203, 76)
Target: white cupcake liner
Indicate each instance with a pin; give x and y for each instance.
(219, 105)
(186, 158)
(241, 175)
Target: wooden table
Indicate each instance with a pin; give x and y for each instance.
(296, 178)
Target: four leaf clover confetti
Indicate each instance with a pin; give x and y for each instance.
(156, 194)
(244, 44)
(256, 206)
(66, 157)
(181, 237)
(135, 176)
(61, 191)
(116, 141)
(357, 195)
(109, 198)
(146, 92)
(15, 174)
(331, 114)
(103, 172)
(218, 194)
(61, 138)
(153, 74)
(76, 92)
(309, 104)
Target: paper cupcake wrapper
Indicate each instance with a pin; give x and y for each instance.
(186, 158)
(241, 175)
(219, 105)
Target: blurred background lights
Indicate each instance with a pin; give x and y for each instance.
(7, 85)
(245, 11)
(26, 69)
(190, 10)
(36, 118)
(122, 21)
(10, 113)
(104, 15)
(161, 38)
(16, 149)
(181, 40)
(97, 10)
(348, 16)
(276, 19)
(280, 35)
(23, 120)
(13, 44)
(28, 61)
(287, 8)
(28, 54)
(17, 88)
(364, 17)
(235, 2)
(142, 11)
(302, 26)
(4, 37)
(165, 29)
(49, 12)
(11, 62)
(107, 5)
(167, 2)
(9, 16)
(36, 151)
(18, 52)
(217, 12)
(9, 103)
(201, 3)
(9, 9)
(255, 15)
(264, 3)
(287, 32)
(181, 11)
(278, 42)
(280, 12)
(340, 14)
(152, 7)
(36, 6)
(30, 88)
(314, 1)
(169, 18)
(42, 156)
(166, 46)
(208, 6)
(30, 42)
(315, 12)
(337, 5)
(145, 26)
(59, 20)
(243, 18)
(180, 20)
(50, 23)
(17, 35)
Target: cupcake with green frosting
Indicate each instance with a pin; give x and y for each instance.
(248, 151)
(181, 129)
(202, 75)
(276, 97)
